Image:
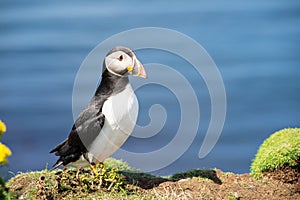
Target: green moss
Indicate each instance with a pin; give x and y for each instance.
(279, 150)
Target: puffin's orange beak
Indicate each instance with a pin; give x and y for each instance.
(139, 69)
(142, 72)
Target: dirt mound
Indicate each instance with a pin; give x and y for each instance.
(232, 186)
(286, 175)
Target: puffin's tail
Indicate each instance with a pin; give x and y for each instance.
(57, 164)
(59, 147)
(57, 150)
(66, 159)
(66, 153)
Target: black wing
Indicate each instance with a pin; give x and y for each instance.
(86, 128)
(90, 121)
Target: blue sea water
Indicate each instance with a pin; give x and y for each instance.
(254, 44)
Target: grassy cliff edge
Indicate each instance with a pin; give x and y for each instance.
(275, 174)
(127, 183)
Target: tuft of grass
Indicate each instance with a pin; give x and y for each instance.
(83, 180)
(63, 184)
(208, 174)
(190, 174)
(27, 185)
(279, 150)
(118, 164)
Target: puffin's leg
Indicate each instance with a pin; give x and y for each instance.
(79, 169)
(94, 169)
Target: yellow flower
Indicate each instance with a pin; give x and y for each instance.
(4, 152)
(2, 128)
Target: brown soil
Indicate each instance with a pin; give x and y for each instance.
(287, 175)
(227, 186)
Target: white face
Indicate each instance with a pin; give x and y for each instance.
(118, 63)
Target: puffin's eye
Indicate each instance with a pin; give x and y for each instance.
(120, 58)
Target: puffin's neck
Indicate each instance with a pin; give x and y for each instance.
(111, 84)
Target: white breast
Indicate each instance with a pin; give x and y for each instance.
(121, 111)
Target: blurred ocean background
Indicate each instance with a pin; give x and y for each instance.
(255, 44)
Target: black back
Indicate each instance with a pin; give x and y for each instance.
(90, 121)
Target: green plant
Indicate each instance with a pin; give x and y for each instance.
(107, 183)
(279, 150)
(82, 180)
(120, 164)
(4, 194)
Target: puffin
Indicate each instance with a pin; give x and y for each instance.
(109, 118)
